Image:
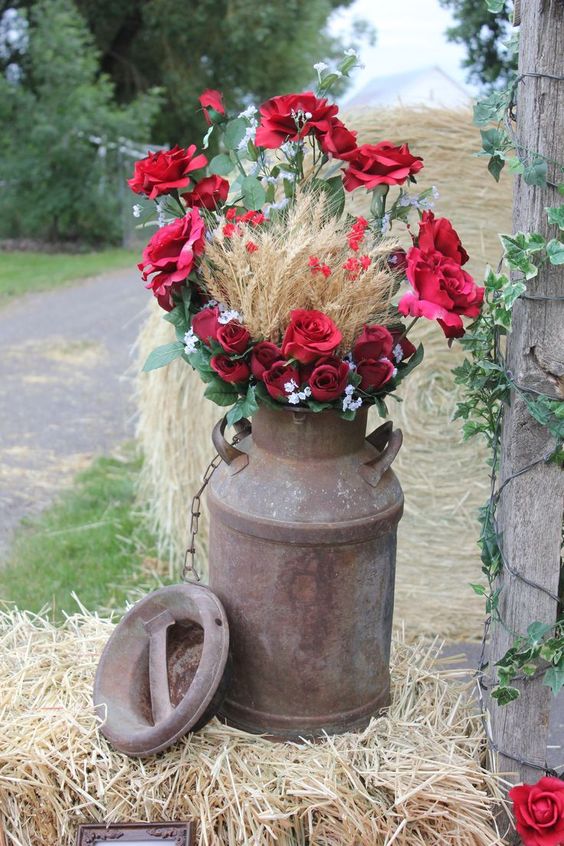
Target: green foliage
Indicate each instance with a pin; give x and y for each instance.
(483, 34)
(58, 184)
(163, 355)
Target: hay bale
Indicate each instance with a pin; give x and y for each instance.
(444, 481)
(413, 778)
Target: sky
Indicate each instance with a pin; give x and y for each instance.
(410, 36)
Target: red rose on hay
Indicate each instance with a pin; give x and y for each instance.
(233, 337)
(209, 193)
(442, 291)
(539, 812)
(211, 99)
(263, 356)
(438, 234)
(230, 369)
(373, 342)
(293, 116)
(380, 164)
(278, 376)
(310, 335)
(170, 255)
(165, 171)
(374, 373)
(329, 379)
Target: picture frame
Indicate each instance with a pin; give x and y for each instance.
(152, 834)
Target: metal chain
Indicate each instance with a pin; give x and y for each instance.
(190, 554)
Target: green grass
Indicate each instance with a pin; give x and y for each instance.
(90, 542)
(22, 272)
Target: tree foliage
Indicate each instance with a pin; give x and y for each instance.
(484, 35)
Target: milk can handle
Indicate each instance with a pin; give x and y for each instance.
(389, 443)
(235, 458)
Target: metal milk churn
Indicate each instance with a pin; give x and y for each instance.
(303, 520)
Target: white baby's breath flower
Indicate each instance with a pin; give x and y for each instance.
(398, 353)
(351, 52)
(249, 112)
(190, 341)
(294, 399)
(249, 135)
(290, 386)
(349, 390)
(385, 226)
(320, 67)
(226, 315)
(161, 217)
(137, 209)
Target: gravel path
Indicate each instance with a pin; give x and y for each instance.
(65, 386)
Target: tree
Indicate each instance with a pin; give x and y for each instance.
(483, 34)
(60, 133)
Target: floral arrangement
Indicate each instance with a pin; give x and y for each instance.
(278, 295)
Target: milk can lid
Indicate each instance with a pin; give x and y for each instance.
(163, 671)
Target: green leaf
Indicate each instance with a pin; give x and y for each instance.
(254, 195)
(491, 108)
(234, 133)
(554, 678)
(494, 141)
(163, 355)
(495, 166)
(555, 251)
(244, 407)
(318, 406)
(536, 631)
(556, 215)
(480, 590)
(220, 392)
(349, 414)
(220, 165)
(535, 173)
(335, 192)
(494, 6)
(515, 165)
(405, 369)
(504, 695)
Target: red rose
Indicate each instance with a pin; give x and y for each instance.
(292, 117)
(373, 342)
(337, 140)
(539, 811)
(170, 254)
(380, 164)
(374, 374)
(233, 337)
(263, 356)
(205, 324)
(165, 171)
(208, 194)
(438, 234)
(230, 369)
(277, 376)
(442, 291)
(211, 99)
(329, 379)
(310, 335)
(403, 348)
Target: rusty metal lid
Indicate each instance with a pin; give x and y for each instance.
(163, 671)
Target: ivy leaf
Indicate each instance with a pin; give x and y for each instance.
(504, 695)
(536, 631)
(480, 590)
(495, 166)
(494, 6)
(491, 108)
(535, 173)
(556, 215)
(163, 355)
(494, 141)
(515, 165)
(220, 165)
(555, 251)
(234, 133)
(220, 392)
(554, 678)
(254, 195)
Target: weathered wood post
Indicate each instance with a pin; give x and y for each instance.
(531, 506)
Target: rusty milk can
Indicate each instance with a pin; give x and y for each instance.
(303, 520)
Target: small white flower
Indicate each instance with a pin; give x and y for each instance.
(249, 135)
(308, 115)
(435, 193)
(355, 404)
(352, 365)
(346, 403)
(385, 226)
(161, 217)
(320, 67)
(290, 386)
(398, 353)
(210, 304)
(294, 399)
(137, 209)
(349, 390)
(190, 341)
(351, 52)
(249, 112)
(307, 392)
(405, 200)
(303, 395)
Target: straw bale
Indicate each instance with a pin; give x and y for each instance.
(444, 480)
(412, 778)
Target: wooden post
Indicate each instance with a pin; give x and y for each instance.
(531, 507)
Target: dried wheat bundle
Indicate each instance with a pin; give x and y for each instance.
(413, 778)
(276, 276)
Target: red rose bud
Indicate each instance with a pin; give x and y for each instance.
(209, 193)
(329, 379)
(539, 811)
(277, 376)
(442, 291)
(403, 348)
(373, 342)
(230, 369)
(263, 356)
(374, 374)
(233, 337)
(170, 254)
(310, 335)
(206, 324)
(379, 164)
(165, 171)
(211, 99)
(437, 234)
(293, 116)
(397, 260)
